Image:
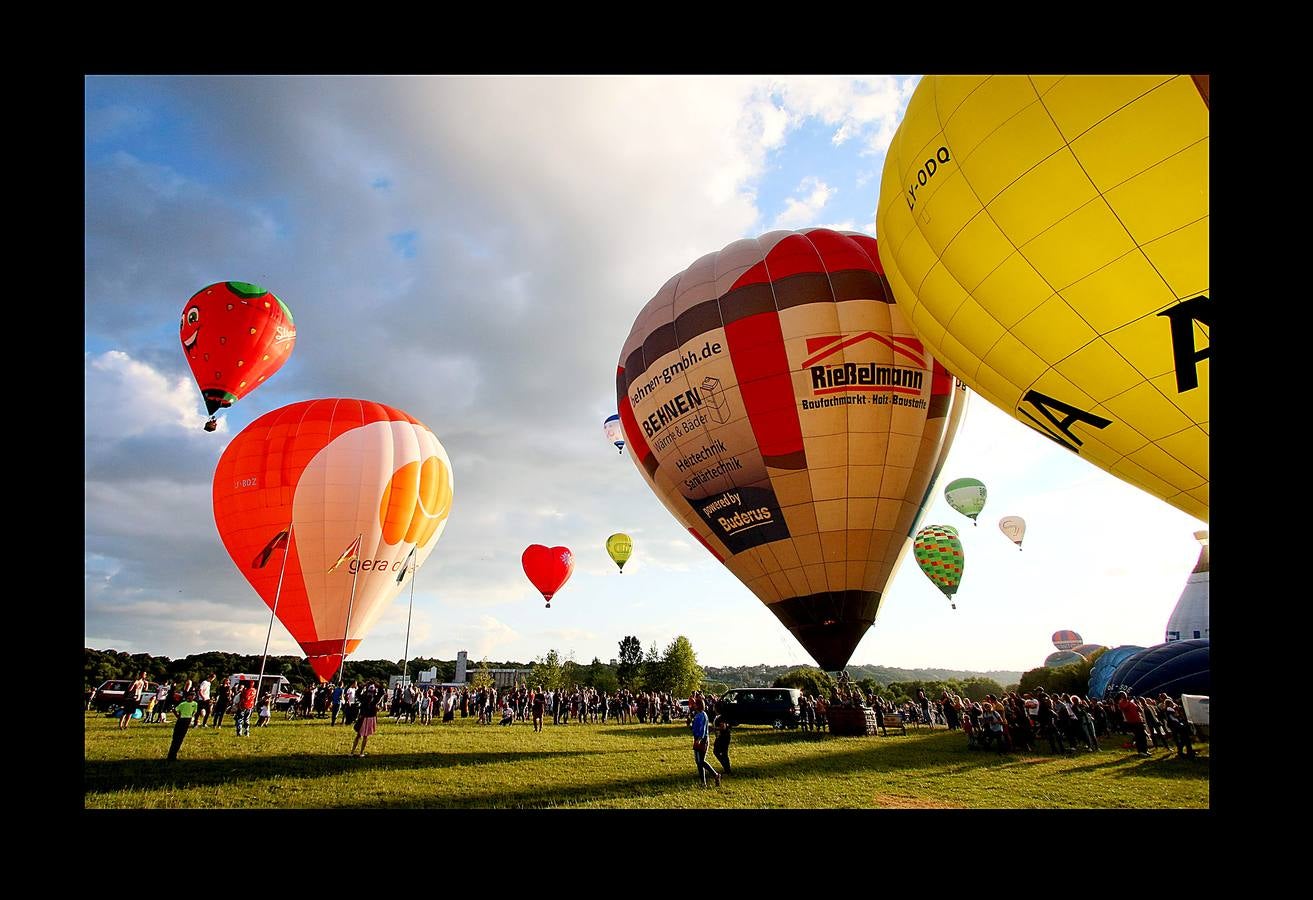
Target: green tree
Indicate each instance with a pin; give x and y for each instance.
(653, 670)
(631, 660)
(603, 677)
(482, 679)
(977, 688)
(812, 682)
(572, 674)
(718, 688)
(680, 669)
(1073, 679)
(546, 674)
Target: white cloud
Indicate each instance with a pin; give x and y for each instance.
(125, 397)
(802, 209)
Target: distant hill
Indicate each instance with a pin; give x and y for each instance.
(748, 676)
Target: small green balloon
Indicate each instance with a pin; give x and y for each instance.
(620, 547)
(967, 496)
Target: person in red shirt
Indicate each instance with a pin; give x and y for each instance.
(245, 702)
(1135, 720)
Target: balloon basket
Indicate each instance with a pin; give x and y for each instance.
(212, 424)
(852, 720)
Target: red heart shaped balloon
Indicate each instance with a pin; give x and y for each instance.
(548, 568)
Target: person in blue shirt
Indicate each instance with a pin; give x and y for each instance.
(336, 705)
(700, 744)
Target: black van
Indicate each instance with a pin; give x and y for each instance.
(773, 706)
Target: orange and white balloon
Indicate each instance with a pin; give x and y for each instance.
(329, 471)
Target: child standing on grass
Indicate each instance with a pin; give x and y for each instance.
(264, 710)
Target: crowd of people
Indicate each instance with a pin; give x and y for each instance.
(1014, 722)
(1069, 723)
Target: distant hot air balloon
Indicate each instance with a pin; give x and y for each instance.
(615, 433)
(967, 496)
(548, 568)
(236, 336)
(1087, 650)
(345, 489)
(619, 547)
(777, 403)
(1014, 527)
(1048, 238)
(1062, 658)
(1066, 640)
(939, 554)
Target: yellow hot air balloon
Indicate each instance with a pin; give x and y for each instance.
(619, 547)
(776, 401)
(1047, 238)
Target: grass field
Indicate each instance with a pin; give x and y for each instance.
(304, 764)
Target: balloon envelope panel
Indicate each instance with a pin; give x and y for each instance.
(1181, 667)
(1048, 239)
(1105, 665)
(776, 401)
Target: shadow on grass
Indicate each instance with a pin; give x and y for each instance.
(1158, 766)
(153, 774)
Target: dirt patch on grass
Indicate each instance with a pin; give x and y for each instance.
(901, 801)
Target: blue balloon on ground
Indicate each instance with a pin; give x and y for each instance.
(1181, 667)
(1106, 664)
(136, 714)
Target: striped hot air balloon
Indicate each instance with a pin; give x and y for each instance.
(775, 400)
(1067, 640)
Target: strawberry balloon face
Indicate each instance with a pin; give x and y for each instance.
(548, 568)
(328, 471)
(235, 336)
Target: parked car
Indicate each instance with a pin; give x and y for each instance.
(110, 694)
(681, 709)
(777, 707)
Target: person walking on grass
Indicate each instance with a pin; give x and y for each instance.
(720, 749)
(203, 702)
(132, 700)
(221, 704)
(700, 744)
(539, 709)
(367, 721)
(1134, 719)
(245, 702)
(336, 705)
(183, 713)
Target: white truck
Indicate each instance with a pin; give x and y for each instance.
(1196, 713)
(282, 688)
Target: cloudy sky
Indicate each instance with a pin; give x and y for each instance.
(474, 250)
